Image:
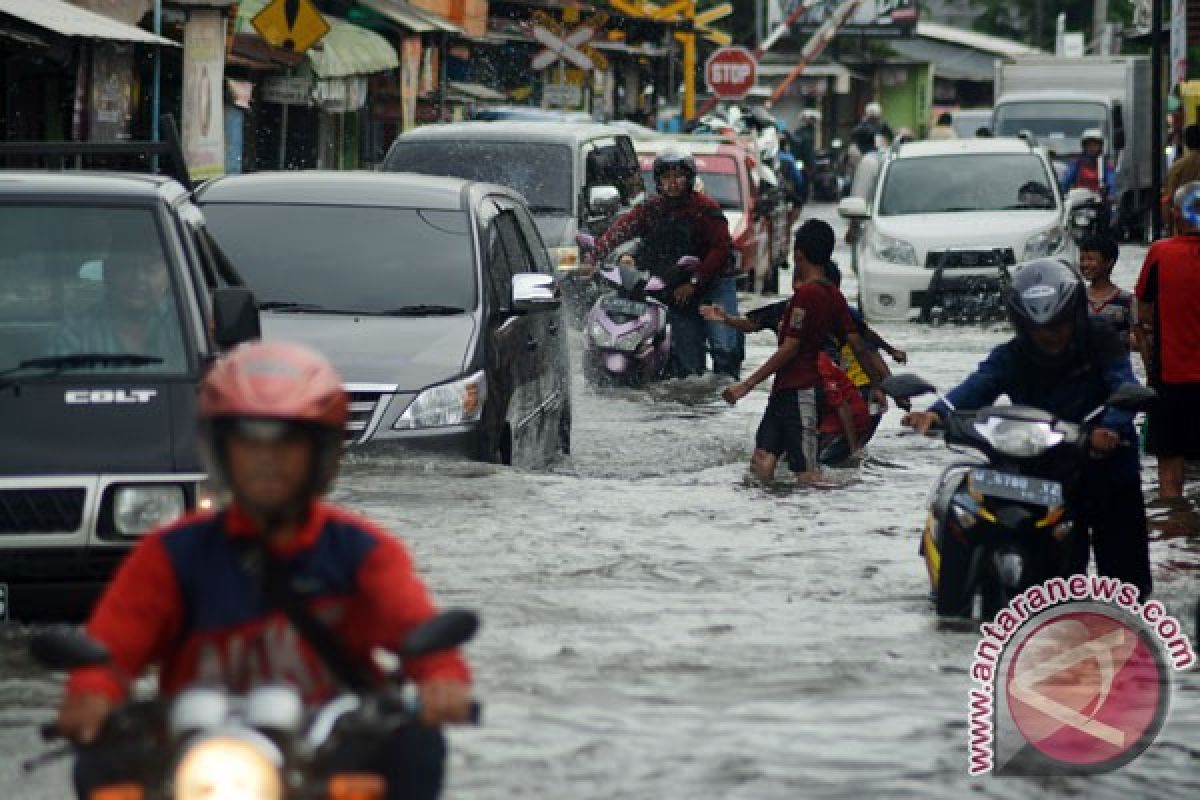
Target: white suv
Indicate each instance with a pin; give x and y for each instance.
(967, 205)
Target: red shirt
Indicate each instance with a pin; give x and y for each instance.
(1170, 279)
(839, 390)
(182, 600)
(816, 311)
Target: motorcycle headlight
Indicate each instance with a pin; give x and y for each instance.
(893, 250)
(137, 509)
(455, 403)
(1018, 438)
(599, 335)
(1082, 218)
(628, 342)
(229, 768)
(1043, 244)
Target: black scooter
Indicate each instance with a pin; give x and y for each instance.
(263, 743)
(998, 527)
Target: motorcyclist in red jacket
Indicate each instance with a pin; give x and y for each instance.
(682, 221)
(272, 417)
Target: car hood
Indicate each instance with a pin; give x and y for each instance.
(556, 230)
(968, 229)
(412, 352)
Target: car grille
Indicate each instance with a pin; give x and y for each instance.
(970, 259)
(362, 410)
(41, 510)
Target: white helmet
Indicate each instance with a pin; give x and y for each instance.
(1092, 134)
(873, 109)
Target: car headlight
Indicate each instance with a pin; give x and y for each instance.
(229, 768)
(137, 509)
(893, 250)
(1046, 243)
(565, 259)
(455, 403)
(628, 342)
(599, 335)
(1018, 438)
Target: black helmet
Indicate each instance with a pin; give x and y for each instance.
(1044, 292)
(674, 157)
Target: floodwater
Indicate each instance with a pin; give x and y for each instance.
(655, 626)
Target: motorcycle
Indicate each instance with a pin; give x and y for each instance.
(828, 183)
(1086, 214)
(627, 338)
(210, 743)
(996, 528)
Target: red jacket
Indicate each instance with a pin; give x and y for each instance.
(183, 601)
(697, 218)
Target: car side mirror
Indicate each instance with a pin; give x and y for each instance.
(853, 208)
(603, 201)
(906, 385)
(533, 292)
(1131, 397)
(235, 316)
(64, 647)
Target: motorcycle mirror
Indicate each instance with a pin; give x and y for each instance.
(907, 385)
(585, 241)
(64, 647)
(655, 284)
(688, 262)
(1131, 397)
(447, 630)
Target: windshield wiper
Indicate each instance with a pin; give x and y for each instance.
(1028, 207)
(953, 209)
(57, 364)
(420, 311)
(548, 210)
(288, 305)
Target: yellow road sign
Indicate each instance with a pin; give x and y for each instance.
(294, 25)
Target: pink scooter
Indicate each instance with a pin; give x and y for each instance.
(627, 339)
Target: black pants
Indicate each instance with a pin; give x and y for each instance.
(1113, 516)
(412, 762)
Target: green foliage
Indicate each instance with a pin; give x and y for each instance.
(1017, 19)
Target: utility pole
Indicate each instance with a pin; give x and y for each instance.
(1099, 22)
(1156, 121)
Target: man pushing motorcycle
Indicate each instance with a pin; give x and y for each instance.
(195, 597)
(683, 221)
(1063, 362)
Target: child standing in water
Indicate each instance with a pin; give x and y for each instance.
(1097, 257)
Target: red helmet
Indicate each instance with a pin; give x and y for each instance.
(274, 380)
(279, 381)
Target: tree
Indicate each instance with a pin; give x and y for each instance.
(1034, 20)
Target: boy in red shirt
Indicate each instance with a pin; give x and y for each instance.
(845, 422)
(816, 311)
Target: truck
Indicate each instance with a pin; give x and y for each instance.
(1057, 99)
(113, 302)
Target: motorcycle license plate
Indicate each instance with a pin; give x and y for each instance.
(1020, 488)
(621, 305)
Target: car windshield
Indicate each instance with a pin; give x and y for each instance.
(348, 258)
(540, 172)
(80, 281)
(971, 182)
(720, 186)
(1056, 125)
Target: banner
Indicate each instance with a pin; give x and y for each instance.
(1179, 44)
(111, 104)
(411, 54)
(203, 96)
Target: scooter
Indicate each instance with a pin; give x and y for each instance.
(828, 183)
(1086, 214)
(627, 339)
(994, 528)
(263, 743)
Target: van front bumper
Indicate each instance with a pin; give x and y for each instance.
(891, 292)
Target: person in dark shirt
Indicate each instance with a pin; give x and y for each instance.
(816, 312)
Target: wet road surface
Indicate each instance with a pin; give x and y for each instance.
(655, 626)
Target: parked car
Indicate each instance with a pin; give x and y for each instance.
(112, 303)
(434, 298)
(724, 175)
(575, 177)
(969, 206)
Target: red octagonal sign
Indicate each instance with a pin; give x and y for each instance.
(730, 72)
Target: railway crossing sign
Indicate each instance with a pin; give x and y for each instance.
(569, 45)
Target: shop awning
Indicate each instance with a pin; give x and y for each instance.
(346, 50)
(410, 17)
(68, 20)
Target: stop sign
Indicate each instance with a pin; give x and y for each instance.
(730, 72)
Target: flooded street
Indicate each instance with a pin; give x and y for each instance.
(655, 626)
